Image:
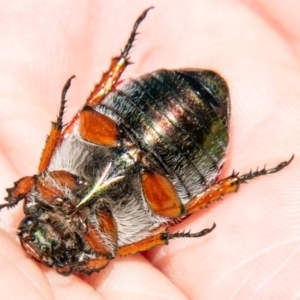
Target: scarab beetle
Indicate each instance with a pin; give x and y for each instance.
(137, 158)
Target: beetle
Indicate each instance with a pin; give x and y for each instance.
(138, 158)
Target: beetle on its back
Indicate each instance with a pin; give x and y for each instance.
(136, 159)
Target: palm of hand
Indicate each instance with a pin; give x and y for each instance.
(254, 249)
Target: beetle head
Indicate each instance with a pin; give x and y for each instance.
(49, 232)
(45, 242)
(68, 224)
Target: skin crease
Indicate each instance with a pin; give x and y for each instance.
(254, 252)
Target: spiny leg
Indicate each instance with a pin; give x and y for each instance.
(159, 239)
(24, 185)
(118, 64)
(18, 192)
(93, 265)
(213, 193)
(228, 185)
(55, 132)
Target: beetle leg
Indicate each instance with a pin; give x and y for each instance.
(18, 192)
(55, 132)
(161, 195)
(94, 265)
(228, 185)
(94, 126)
(159, 239)
(97, 128)
(118, 64)
(102, 239)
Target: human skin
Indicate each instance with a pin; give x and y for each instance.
(254, 252)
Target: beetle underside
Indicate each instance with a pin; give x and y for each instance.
(136, 159)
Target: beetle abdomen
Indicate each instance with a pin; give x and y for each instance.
(179, 119)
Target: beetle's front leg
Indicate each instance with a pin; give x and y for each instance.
(228, 185)
(18, 192)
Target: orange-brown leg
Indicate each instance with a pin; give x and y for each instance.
(118, 64)
(228, 185)
(163, 199)
(161, 195)
(97, 128)
(103, 240)
(158, 239)
(17, 193)
(94, 265)
(213, 193)
(55, 132)
(105, 86)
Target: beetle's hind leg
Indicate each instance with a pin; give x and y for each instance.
(118, 64)
(163, 199)
(211, 194)
(228, 185)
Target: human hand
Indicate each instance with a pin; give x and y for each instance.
(253, 252)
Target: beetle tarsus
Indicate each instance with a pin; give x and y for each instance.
(253, 174)
(55, 133)
(59, 121)
(134, 33)
(118, 64)
(11, 200)
(168, 236)
(9, 205)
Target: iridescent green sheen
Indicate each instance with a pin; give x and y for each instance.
(179, 119)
